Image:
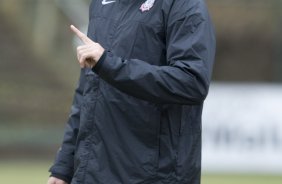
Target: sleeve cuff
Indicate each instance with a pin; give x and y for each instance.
(100, 62)
(66, 179)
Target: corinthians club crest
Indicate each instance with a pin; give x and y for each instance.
(147, 5)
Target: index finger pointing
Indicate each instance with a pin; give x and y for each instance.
(80, 35)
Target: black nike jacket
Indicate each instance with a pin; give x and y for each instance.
(136, 116)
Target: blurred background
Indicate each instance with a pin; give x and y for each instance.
(242, 121)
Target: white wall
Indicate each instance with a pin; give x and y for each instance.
(242, 128)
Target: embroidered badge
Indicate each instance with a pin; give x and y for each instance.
(147, 5)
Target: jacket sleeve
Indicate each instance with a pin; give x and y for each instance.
(63, 165)
(190, 55)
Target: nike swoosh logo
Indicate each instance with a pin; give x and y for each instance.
(104, 2)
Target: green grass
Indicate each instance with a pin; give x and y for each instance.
(35, 172)
(24, 172)
(241, 179)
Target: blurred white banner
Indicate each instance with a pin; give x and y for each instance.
(242, 128)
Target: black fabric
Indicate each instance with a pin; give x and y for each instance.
(136, 115)
(97, 67)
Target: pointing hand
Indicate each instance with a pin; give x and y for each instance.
(90, 52)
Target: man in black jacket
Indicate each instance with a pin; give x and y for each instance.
(136, 115)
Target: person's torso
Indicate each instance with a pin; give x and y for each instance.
(123, 139)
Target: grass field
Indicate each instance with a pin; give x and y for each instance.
(36, 173)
